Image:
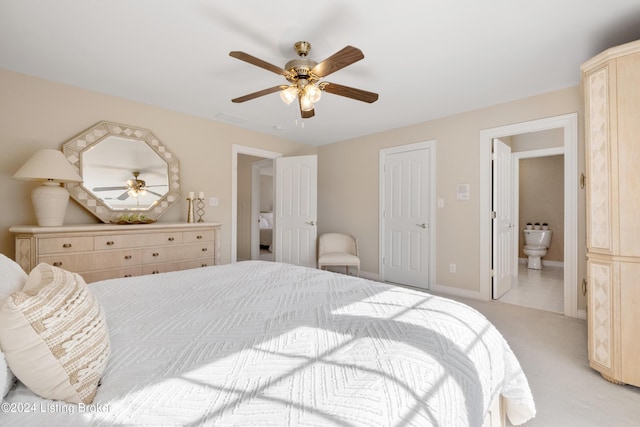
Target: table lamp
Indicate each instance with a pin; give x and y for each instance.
(49, 200)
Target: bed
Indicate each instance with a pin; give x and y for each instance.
(260, 343)
(266, 229)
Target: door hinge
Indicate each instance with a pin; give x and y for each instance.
(494, 156)
(493, 273)
(493, 214)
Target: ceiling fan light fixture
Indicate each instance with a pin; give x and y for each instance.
(305, 103)
(313, 92)
(289, 94)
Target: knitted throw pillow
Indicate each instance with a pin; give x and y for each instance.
(54, 335)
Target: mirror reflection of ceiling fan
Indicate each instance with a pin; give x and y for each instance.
(304, 76)
(135, 187)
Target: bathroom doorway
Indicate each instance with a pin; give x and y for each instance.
(566, 125)
(538, 203)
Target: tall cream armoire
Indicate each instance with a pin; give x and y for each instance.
(611, 85)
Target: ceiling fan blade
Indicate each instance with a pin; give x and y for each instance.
(124, 196)
(338, 61)
(259, 63)
(154, 193)
(350, 92)
(257, 94)
(109, 188)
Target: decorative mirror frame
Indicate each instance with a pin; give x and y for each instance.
(74, 148)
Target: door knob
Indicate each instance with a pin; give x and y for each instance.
(423, 225)
(311, 222)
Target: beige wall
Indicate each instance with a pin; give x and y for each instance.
(541, 199)
(36, 114)
(348, 181)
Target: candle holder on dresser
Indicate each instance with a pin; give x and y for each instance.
(190, 215)
(200, 208)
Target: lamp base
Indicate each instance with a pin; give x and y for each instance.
(50, 204)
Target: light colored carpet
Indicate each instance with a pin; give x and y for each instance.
(552, 350)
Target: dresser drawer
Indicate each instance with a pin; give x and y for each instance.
(120, 241)
(95, 276)
(55, 245)
(94, 260)
(197, 236)
(177, 266)
(177, 253)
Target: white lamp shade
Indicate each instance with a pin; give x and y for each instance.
(50, 200)
(48, 165)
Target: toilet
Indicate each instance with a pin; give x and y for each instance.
(536, 243)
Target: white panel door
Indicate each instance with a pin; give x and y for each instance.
(295, 210)
(503, 227)
(407, 217)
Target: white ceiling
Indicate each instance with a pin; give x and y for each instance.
(426, 59)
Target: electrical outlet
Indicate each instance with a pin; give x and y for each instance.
(452, 268)
(213, 201)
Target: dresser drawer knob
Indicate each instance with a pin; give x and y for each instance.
(128, 275)
(204, 249)
(57, 263)
(127, 257)
(110, 243)
(171, 239)
(155, 272)
(155, 254)
(66, 245)
(203, 265)
(199, 237)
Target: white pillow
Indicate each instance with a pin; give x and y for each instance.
(6, 377)
(12, 279)
(54, 335)
(268, 217)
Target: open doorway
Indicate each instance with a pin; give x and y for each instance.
(254, 208)
(242, 218)
(568, 127)
(537, 165)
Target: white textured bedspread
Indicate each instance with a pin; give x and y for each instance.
(268, 344)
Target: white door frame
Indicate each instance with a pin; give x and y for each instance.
(569, 124)
(235, 151)
(432, 212)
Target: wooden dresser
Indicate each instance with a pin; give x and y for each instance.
(107, 251)
(612, 135)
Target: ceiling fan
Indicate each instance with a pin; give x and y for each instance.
(304, 76)
(135, 187)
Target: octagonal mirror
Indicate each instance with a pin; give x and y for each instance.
(128, 174)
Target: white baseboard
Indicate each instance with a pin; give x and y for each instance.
(464, 293)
